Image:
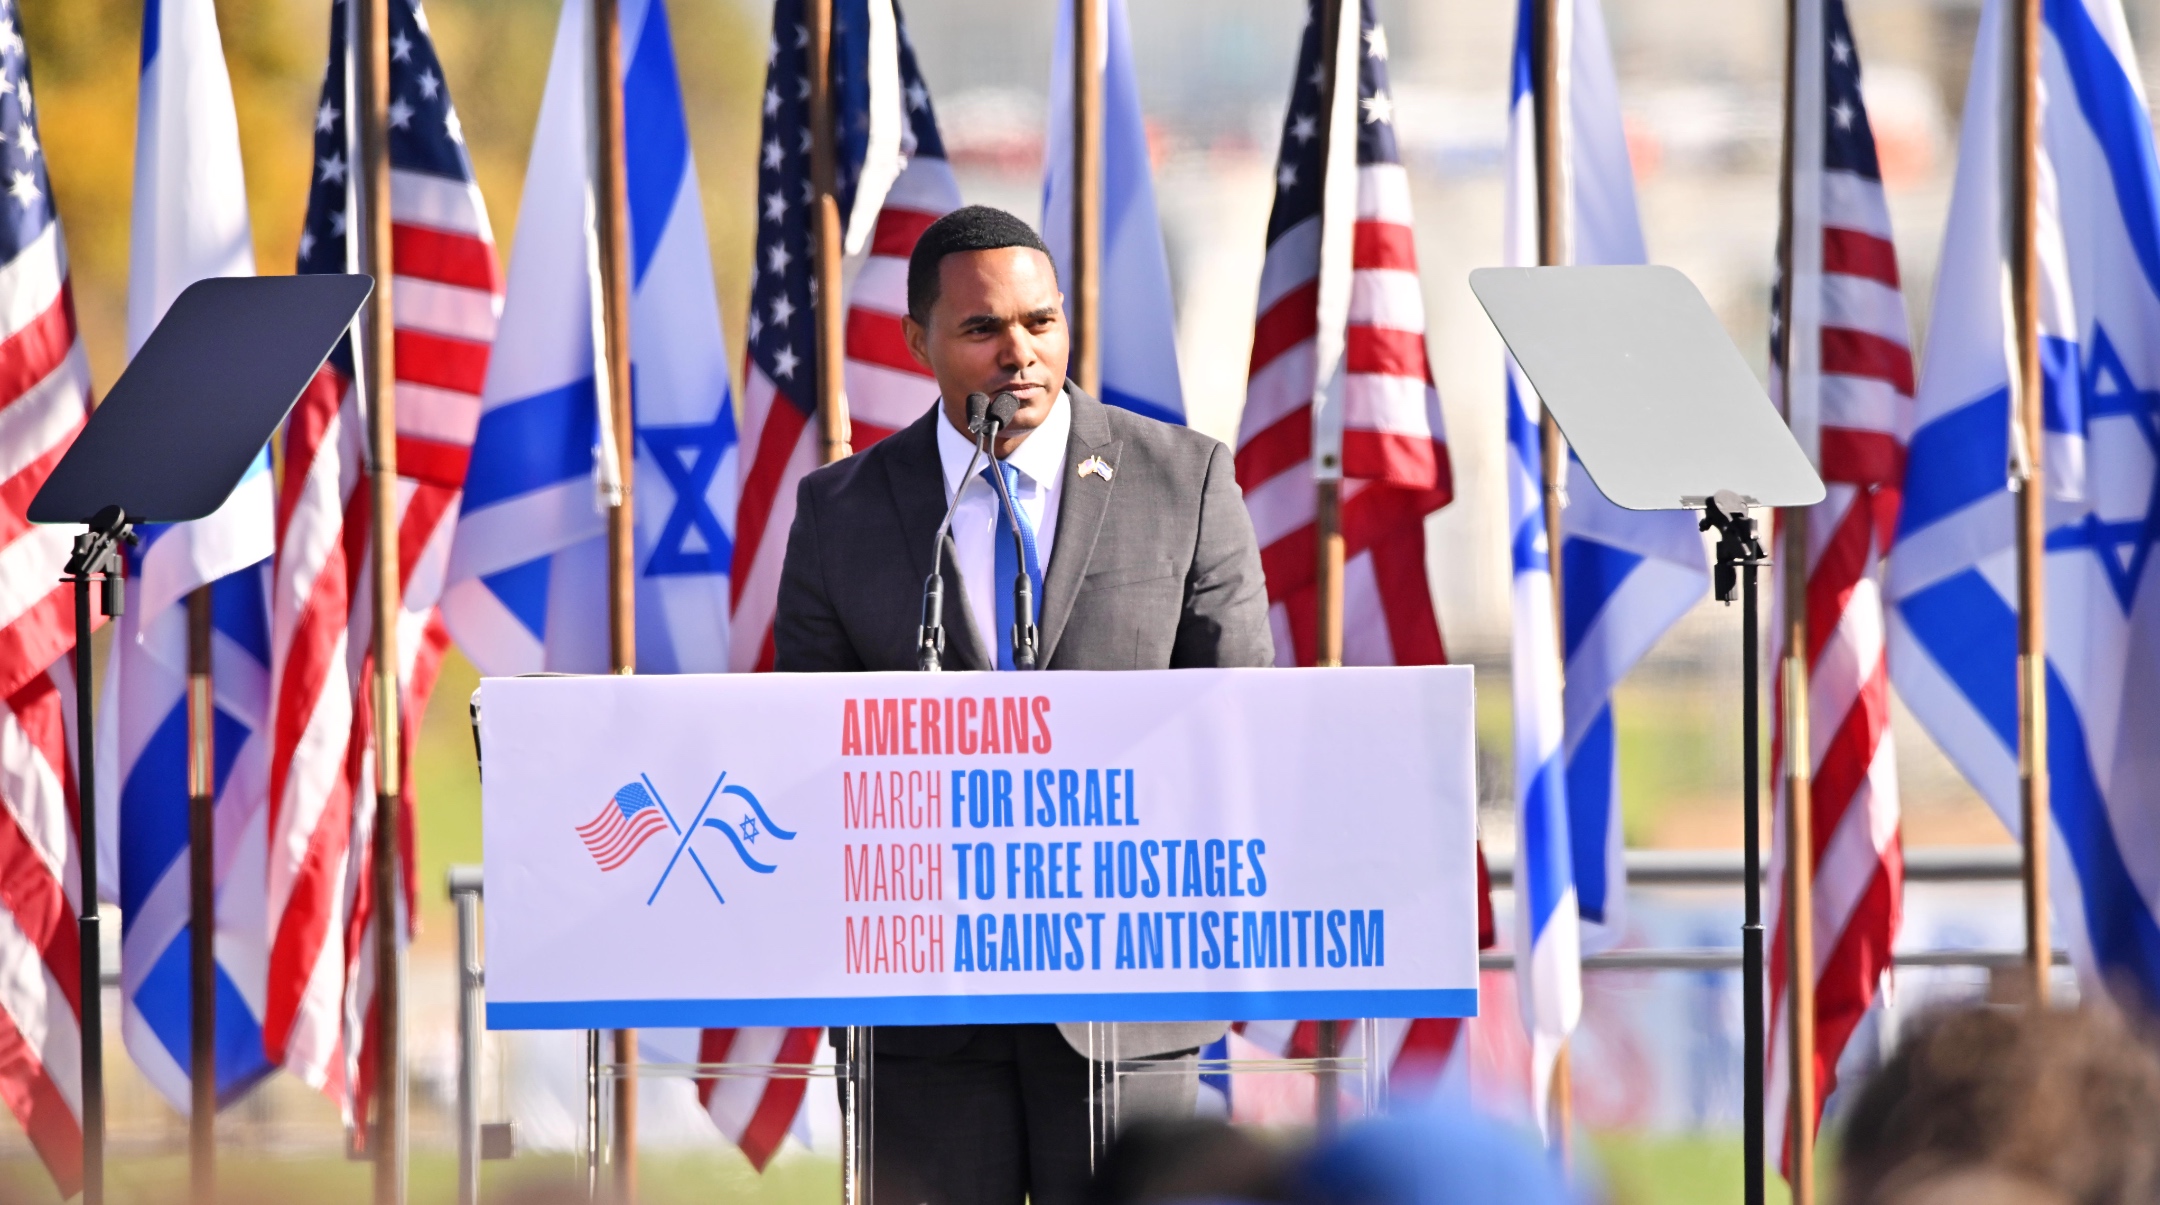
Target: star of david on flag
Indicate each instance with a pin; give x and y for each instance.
(528, 573)
(1952, 576)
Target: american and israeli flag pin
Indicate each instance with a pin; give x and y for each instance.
(1096, 466)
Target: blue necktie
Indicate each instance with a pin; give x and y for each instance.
(1008, 565)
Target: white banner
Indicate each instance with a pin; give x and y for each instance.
(907, 849)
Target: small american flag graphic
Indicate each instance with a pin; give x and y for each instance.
(623, 826)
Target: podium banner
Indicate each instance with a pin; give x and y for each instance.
(912, 849)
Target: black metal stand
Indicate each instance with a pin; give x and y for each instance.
(96, 556)
(1739, 555)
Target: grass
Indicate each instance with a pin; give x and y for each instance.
(246, 1177)
(1633, 1169)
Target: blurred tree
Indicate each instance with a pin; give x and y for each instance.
(495, 53)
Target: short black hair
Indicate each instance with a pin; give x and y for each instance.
(968, 228)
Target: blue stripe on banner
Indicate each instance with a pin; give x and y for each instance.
(2118, 919)
(1971, 632)
(153, 812)
(1957, 460)
(2116, 116)
(1590, 576)
(163, 1001)
(1590, 775)
(1141, 406)
(655, 140)
(523, 591)
(150, 32)
(982, 1010)
(1543, 848)
(533, 443)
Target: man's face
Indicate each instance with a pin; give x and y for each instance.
(998, 327)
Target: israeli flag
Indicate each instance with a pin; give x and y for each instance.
(1626, 576)
(1952, 572)
(190, 222)
(1139, 320)
(528, 577)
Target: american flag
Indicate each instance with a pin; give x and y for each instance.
(885, 388)
(625, 823)
(1849, 396)
(755, 1111)
(447, 295)
(44, 399)
(1395, 458)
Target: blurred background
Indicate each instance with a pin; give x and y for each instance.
(1701, 86)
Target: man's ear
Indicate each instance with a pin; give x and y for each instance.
(918, 339)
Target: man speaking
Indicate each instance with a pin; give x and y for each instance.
(1140, 556)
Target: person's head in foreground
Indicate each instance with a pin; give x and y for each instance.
(1998, 1106)
(1445, 1153)
(985, 315)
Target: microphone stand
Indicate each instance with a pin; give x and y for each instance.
(930, 637)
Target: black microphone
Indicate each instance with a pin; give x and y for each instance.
(1002, 411)
(930, 637)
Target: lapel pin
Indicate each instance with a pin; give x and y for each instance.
(1096, 466)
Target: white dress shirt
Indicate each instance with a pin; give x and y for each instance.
(980, 520)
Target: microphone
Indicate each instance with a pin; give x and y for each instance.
(1001, 412)
(930, 637)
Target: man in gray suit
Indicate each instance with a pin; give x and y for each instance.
(1142, 557)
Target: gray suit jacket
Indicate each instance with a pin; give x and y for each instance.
(1153, 568)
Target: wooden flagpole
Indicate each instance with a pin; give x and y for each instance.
(836, 437)
(2033, 793)
(611, 197)
(371, 61)
(1799, 900)
(1328, 542)
(202, 908)
(1327, 510)
(1087, 204)
(1552, 209)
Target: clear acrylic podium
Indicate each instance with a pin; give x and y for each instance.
(1349, 1083)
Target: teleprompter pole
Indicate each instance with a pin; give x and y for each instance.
(1739, 555)
(202, 907)
(96, 555)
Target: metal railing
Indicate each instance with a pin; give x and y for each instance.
(1645, 868)
(1722, 868)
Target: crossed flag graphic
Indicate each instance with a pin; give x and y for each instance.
(636, 814)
